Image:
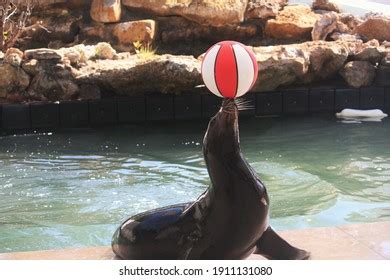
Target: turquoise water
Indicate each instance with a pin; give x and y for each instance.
(72, 189)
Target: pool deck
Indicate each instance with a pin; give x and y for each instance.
(370, 241)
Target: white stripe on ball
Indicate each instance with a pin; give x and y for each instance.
(245, 69)
(208, 68)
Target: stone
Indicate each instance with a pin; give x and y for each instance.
(41, 3)
(345, 37)
(325, 25)
(207, 12)
(325, 5)
(122, 35)
(132, 76)
(71, 56)
(77, 4)
(280, 65)
(374, 27)
(182, 31)
(386, 60)
(1, 55)
(386, 44)
(60, 26)
(298, 63)
(13, 79)
(371, 52)
(42, 54)
(264, 9)
(358, 73)
(54, 83)
(13, 56)
(104, 50)
(78, 54)
(350, 20)
(106, 11)
(339, 26)
(326, 59)
(31, 67)
(293, 22)
(89, 92)
(135, 31)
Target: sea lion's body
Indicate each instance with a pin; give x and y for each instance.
(228, 221)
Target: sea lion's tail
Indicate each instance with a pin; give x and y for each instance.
(274, 247)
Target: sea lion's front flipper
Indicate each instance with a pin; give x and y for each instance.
(272, 246)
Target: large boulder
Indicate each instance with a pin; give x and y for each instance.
(60, 25)
(371, 52)
(43, 54)
(374, 27)
(358, 73)
(345, 37)
(169, 74)
(336, 25)
(135, 31)
(214, 13)
(106, 10)
(350, 20)
(40, 3)
(123, 34)
(298, 63)
(326, 59)
(80, 54)
(13, 56)
(293, 22)
(325, 25)
(13, 80)
(185, 33)
(264, 9)
(325, 5)
(55, 82)
(278, 66)
(31, 67)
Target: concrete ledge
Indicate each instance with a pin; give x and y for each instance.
(353, 242)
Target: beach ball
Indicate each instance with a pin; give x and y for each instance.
(229, 69)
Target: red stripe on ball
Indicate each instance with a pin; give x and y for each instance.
(226, 76)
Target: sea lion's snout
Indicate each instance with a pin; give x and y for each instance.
(229, 106)
(222, 132)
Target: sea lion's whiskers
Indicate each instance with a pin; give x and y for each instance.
(246, 108)
(244, 105)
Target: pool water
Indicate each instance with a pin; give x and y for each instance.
(72, 189)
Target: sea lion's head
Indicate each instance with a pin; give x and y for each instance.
(222, 135)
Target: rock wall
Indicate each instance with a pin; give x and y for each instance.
(159, 41)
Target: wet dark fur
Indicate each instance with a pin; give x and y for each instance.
(228, 221)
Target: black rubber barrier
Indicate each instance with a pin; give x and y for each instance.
(127, 110)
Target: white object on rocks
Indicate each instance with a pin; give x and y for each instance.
(364, 115)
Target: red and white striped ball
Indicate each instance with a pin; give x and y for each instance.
(229, 69)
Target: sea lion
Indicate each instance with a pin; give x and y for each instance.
(228, 221)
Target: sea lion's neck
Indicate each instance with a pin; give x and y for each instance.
(224, 167)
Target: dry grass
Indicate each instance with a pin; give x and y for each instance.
(144, 51)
